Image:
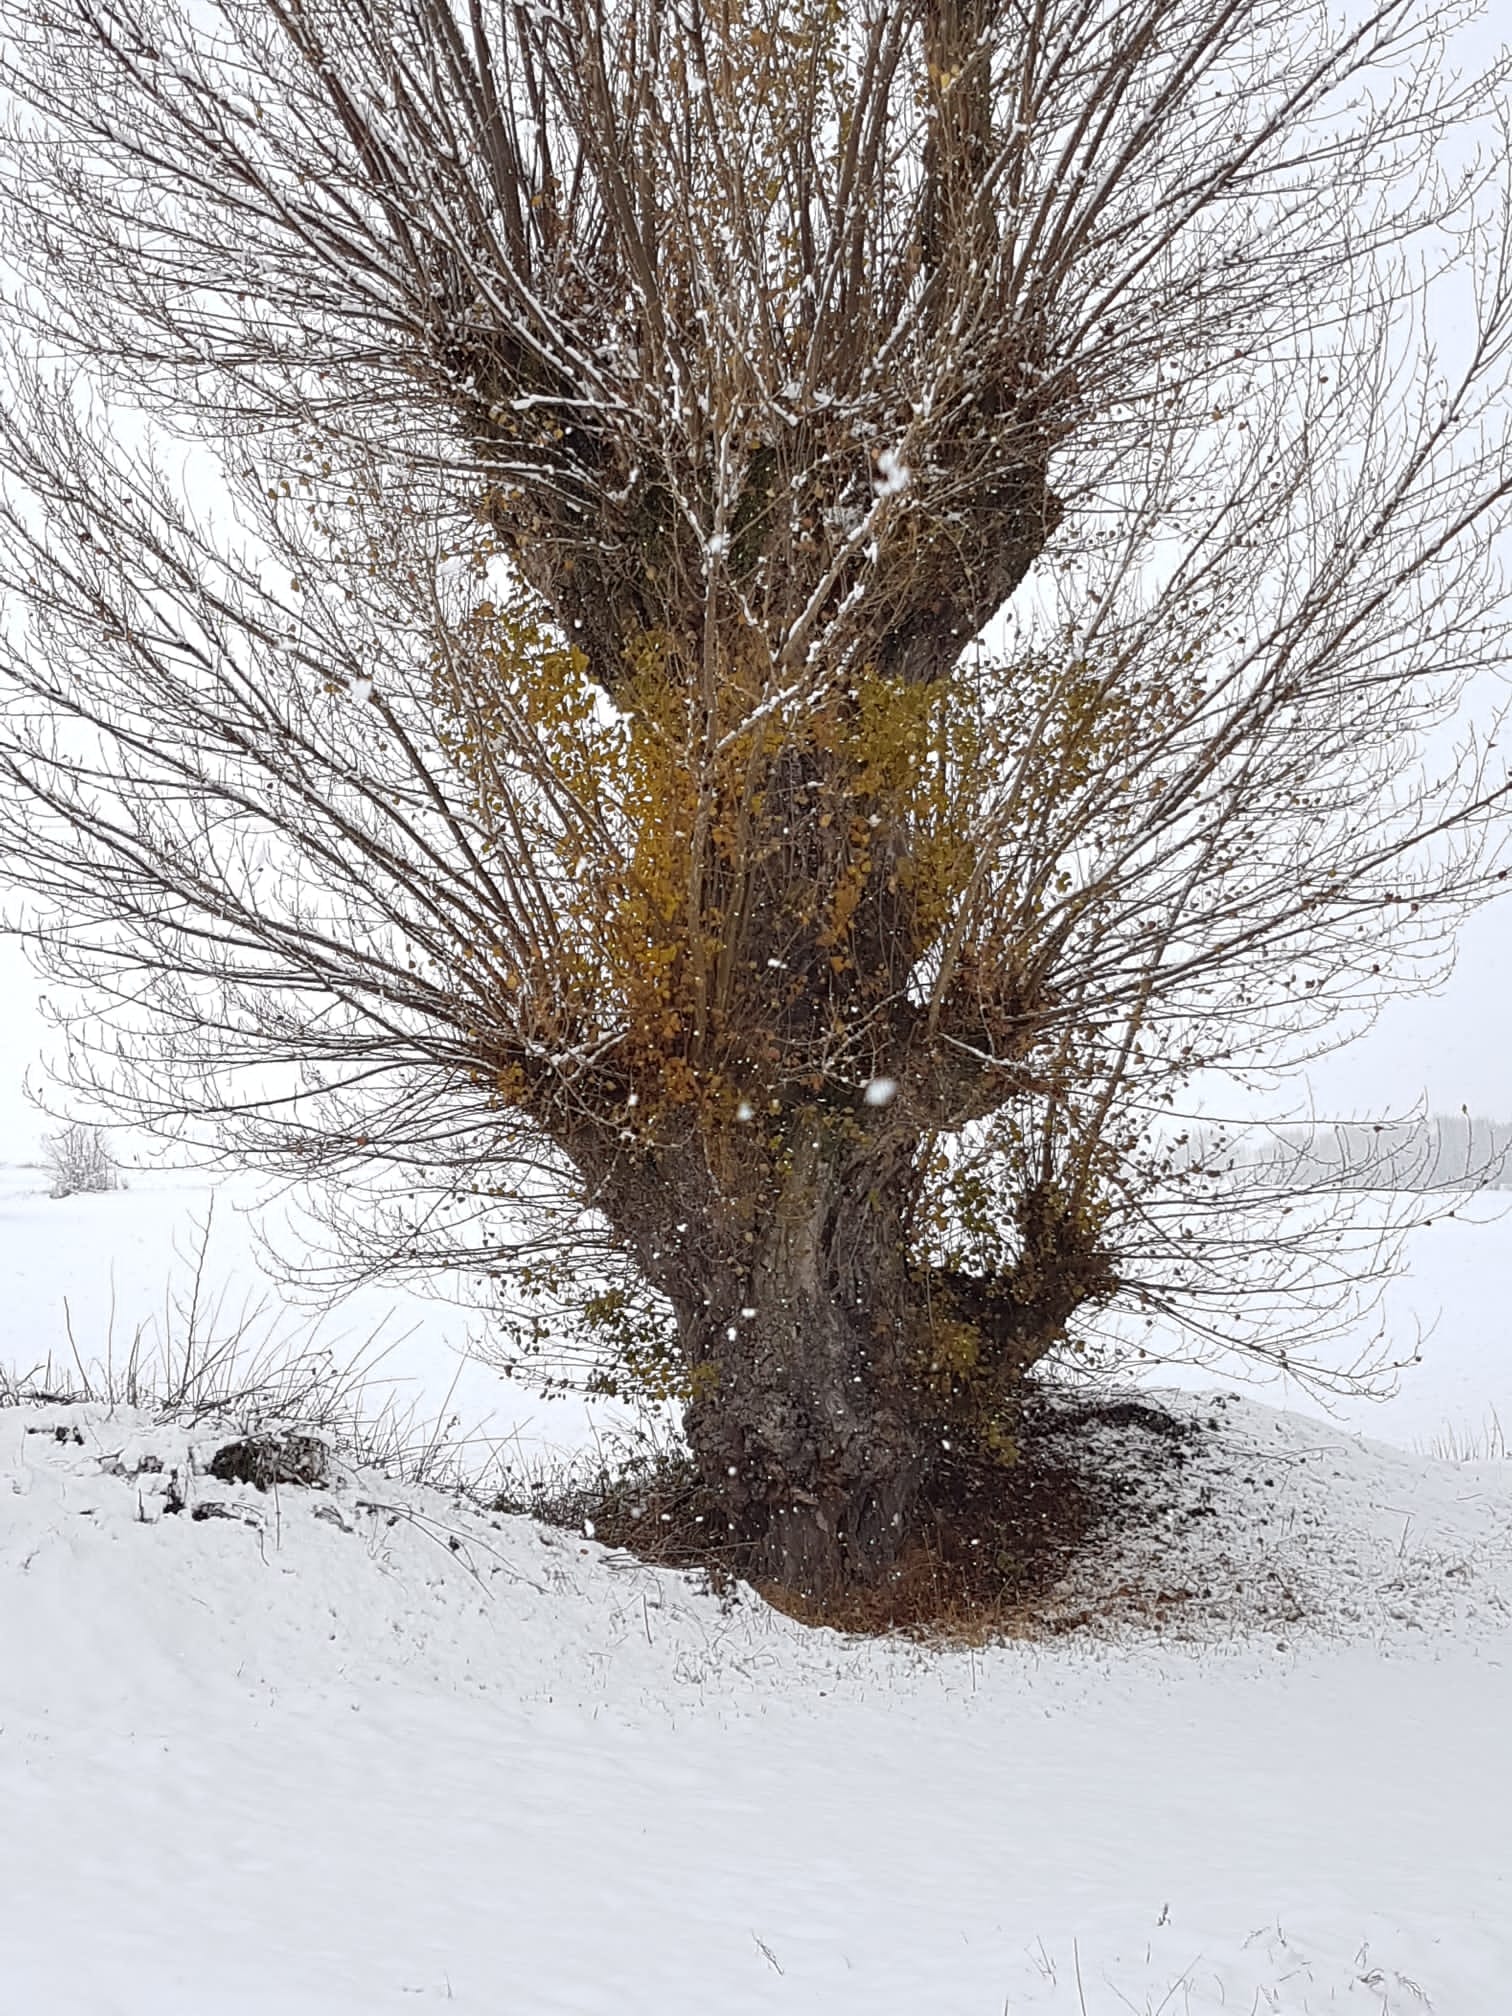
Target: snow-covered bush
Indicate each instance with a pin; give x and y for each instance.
(80, 1162)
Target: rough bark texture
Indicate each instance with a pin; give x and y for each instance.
(801, 1329)
(809, 1426)
(830, 1371)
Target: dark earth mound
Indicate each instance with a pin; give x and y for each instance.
(993, 1538)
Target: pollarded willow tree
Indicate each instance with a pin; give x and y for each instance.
(805, 608)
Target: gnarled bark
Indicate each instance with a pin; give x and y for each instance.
(829, 1369)
(804, 1363)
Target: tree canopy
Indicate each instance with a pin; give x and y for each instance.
(805, 612)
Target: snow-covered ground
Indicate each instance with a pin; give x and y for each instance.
(354, 1750)
(337, 1752)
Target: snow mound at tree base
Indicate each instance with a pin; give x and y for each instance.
(1229, 1520)
(351, 1746)
(1260, 1522)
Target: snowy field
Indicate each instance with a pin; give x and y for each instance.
(346, 1751)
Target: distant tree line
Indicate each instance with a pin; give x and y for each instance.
(1448, 1151)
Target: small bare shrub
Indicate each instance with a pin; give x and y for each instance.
(283, 1387)
(1467, 1445)
(80, 1163)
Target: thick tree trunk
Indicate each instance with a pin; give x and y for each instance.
(826, 1372)
(805, 1343)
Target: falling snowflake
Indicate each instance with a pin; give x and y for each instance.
(881, 1091)
(893, 473)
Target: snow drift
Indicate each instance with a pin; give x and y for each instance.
(339, 1749)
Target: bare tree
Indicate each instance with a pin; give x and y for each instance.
(808, 609)
(80, 1162)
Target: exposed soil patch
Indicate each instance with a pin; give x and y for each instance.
(994, 1539)
(265, 1460)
